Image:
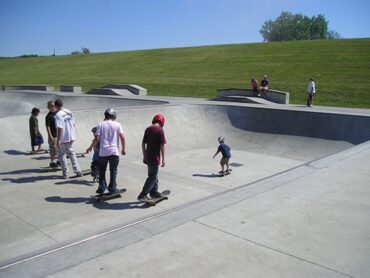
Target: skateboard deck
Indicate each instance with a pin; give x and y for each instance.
(50, 169)
(37, 152)
(154, 201)
(108, 196)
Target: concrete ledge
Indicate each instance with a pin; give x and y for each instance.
(132, 88)
(46, 88)
(70, 88)
(271, 95)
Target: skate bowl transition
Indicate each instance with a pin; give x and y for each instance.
(46, 216)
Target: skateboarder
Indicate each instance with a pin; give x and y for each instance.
(109, 133)
(65, 137)
(95, 160)
(226, 154)
(52, 134)
(36, 137)
(153, 156)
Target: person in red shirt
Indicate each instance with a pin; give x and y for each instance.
(153, 156)
(254, 85)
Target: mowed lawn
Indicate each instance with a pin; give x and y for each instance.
(341, 69)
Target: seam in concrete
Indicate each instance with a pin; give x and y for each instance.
(272, 249)
(30, 224)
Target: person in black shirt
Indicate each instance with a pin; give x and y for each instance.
(52, 134)
(264, 86)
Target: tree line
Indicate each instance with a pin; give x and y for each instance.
(290, 26)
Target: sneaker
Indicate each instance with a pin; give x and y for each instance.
(221, 172)
(143, 198)
(58, 163)
(66, 177)
(156, 195)
(53, 165)
(100, 191)
(78, 174)
(113, 191)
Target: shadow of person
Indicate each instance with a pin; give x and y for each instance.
(15, 152)
(120, 206)
(30, 179)
(24, 171)
(70, 200)
(75, 181)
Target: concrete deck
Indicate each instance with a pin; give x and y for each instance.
(296, 204)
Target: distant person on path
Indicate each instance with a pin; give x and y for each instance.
(254, 85)
(226, 155)
(264, 86)
(52, 132)
(311, 92)
(65, 137)
(109, 135)
(153, 156)
(36, 137)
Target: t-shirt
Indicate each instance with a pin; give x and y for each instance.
(311, 88)
(264, 82)
(153, 138)
(64, 119)
(109, 132)
(34, 126)
(254, 84)
(50, 122)
(225, 150)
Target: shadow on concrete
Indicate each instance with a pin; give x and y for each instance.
(31, 179)
(213, 175)
(75, 181)
(72, 200)
(41, 158)
(15, 152)
(24, 171)
(120, 206)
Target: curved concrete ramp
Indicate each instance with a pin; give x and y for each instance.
(297, 197)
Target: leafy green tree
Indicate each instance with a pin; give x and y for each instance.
(290, 26)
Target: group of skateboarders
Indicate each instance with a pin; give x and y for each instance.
(108, 144)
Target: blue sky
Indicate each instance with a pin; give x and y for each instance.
(38, 26)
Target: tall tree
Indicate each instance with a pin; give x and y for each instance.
(290, 26)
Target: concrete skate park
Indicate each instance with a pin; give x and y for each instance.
(297, 203)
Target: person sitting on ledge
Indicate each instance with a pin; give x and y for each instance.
(264, 87)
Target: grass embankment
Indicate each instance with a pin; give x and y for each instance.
(341, 69)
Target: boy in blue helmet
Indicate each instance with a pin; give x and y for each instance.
(226, 155)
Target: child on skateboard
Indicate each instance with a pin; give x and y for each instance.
(51, 129)
(36, 137)
(108, 134)
(153, 152)
(65, 124)
(226, 155)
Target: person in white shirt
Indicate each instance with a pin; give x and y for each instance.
(311, 92)
(109, 134)
(66, 136)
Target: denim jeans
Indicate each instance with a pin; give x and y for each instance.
(113, 165)
(151, 183)
(67, 148)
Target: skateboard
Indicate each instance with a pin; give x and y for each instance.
(83, 172)
(51, 169)
(108, 196)
(78, 155)
(222, 174)
(154, 201)
(37, 152)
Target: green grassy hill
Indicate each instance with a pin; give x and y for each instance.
(341, 69)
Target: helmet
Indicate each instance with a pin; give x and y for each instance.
(158, 119)
(221, 139)
(93, 130)
(110, 113)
